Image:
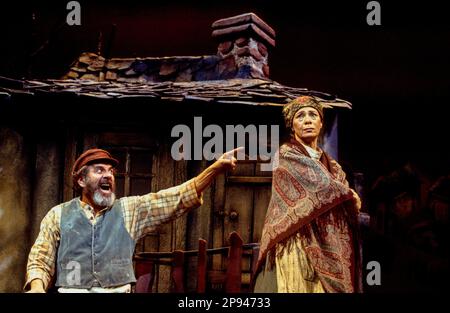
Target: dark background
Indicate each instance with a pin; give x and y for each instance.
(396, 75)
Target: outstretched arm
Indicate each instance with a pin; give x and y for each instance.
(142, 214)
(226, 162)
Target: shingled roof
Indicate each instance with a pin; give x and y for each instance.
(238, 73)
(238, 91)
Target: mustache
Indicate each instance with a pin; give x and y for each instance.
(105, 180)
(103, 183)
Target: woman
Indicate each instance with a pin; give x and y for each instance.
(309, 241)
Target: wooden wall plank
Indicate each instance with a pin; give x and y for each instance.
(70, 157)
(47, 191)
(218, 219)
(179, 242)
(198, 223)
(165, 178)
(262, 198)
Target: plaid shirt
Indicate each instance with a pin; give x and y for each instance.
(142, 214)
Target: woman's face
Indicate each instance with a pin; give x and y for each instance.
(306, 125)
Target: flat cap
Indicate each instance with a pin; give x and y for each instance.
(93, 155)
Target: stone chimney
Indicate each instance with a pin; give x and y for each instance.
(244, 41)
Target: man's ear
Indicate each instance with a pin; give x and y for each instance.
(81, 182)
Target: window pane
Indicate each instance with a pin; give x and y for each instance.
(140, 186)
(119, 187)
(120, 155)
(141, 162)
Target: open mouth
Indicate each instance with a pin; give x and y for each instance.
(105, 187)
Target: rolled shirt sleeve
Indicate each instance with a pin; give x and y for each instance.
(143, 214)
(41, 260)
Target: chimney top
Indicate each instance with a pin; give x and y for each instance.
(249, 23)
(243, 46)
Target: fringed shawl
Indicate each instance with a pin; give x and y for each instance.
(310, 198)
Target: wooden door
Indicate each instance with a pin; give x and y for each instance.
(240, 204)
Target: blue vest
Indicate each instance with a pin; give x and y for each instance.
(94, 255)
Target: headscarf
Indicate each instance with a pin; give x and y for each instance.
(298, 103)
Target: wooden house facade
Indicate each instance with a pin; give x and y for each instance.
(130, 106)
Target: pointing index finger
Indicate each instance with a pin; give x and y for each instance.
(232, 152)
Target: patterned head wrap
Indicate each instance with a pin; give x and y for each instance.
(301, 102)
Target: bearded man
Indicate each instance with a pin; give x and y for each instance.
(87, 243)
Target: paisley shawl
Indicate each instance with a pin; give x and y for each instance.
(313, 199)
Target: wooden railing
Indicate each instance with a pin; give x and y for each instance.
(231, 279)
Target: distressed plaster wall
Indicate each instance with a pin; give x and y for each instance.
(14, 210)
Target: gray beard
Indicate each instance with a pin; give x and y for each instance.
(104, 201)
